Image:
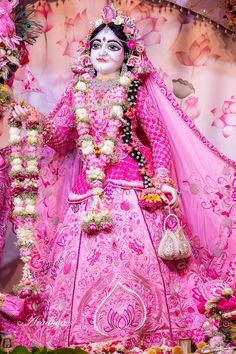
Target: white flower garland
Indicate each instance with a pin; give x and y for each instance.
(98, 157)
(24, 185)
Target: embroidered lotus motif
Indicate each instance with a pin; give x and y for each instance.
(121, 321)
(121, 312)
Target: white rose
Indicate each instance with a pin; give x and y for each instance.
(18, 201)
(206, 325)
(108, 147)
(30, 209)
(81, 86)
(118, 20)
(32, 140)
(32, 168)
(97, 191)
(15, 131)
(32, 133)
(18, 209)
(25, 233)
(86, 218)
(87, 147)
(15, 139)
(16, 168)
(125, 80)
(16, 161)
(30, 201)
(97, 218)
(105, 212)
(95, 173)
(116, 111)
(32, 163)
(82, 113)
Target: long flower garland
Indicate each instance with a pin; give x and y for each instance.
(97, 158)
(24, 160)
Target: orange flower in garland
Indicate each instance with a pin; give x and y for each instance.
(150, 201)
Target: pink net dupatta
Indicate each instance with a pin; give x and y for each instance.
(58, 175)
(206, 179)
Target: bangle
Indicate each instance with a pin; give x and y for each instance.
(158, 182)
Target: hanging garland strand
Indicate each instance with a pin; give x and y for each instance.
(150, 199)
(24, 172)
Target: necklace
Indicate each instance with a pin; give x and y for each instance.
(102, 85)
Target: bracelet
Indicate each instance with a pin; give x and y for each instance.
(158, 182)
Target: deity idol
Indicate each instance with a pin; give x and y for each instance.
(102, 207)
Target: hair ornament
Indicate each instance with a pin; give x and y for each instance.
(134, 40)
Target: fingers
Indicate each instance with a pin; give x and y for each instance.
(164, 198)
(20, 112)
(174, 202)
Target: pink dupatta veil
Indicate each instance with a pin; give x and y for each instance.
(205, 178)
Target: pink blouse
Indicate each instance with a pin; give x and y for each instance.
(60, 123)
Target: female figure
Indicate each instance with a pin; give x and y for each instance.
(103, 279)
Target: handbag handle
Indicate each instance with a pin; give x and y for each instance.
(166, 218)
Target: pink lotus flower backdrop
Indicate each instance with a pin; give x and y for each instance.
(196, 55)
(194, 58)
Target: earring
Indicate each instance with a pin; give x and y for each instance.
(124, 68)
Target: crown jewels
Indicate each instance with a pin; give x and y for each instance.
(110, 14)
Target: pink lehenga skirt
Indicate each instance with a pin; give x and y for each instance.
(112, 286)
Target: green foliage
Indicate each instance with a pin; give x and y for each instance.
(20, 350)
(34, 350)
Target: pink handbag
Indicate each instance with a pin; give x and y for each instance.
(173, 245)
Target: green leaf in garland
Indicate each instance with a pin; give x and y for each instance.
(67, 351)
(42, 350)
(20, 350)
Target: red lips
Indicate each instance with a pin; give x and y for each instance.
(101, 60)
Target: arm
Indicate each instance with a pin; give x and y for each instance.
(148, 116)
(58, 125)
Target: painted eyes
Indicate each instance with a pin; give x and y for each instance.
(113, 46)
(96, 45)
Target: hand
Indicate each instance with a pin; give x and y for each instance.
(20, 112)
(166, 189)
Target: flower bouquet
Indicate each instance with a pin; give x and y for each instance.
(220, 324)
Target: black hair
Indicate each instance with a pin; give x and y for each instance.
(116, 29)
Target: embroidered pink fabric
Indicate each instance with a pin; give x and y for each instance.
(79, 274)
(59, 125)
